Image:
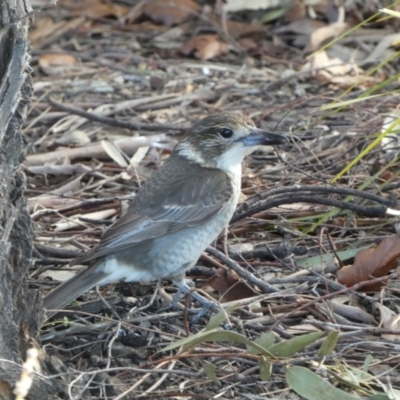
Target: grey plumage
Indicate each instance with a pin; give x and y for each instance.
(73, 288)
(179, 211)
(167, 203)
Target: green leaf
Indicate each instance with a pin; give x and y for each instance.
(216, 335)
(292, 346)
(265, 369)
(312, 387)
(329, 343)
(367, 362)
(209, 370)
(217, 319)
(273, 15)
(266, 340)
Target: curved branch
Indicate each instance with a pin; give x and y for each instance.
(372, 212)
(308, 189)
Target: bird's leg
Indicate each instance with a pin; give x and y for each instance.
(177, 295)
(183, 286)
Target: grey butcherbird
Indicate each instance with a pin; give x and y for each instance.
(179, 211)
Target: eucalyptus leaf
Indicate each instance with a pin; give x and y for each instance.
(312, 387)
(265, 369)
(209, 370)
(216, 335)
(114, 152)
(273, 15)
(217, 319)
(266, 340)
(329, 343)
(367, 362)
(292, 346)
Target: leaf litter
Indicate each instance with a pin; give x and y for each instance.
(115, 88)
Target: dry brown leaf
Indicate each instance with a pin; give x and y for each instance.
(229, 286)
(248, 44)
(330, 31)
(296, 12)
(204, 47)
(239, 29)
(373, 262)
(96, 8)
(48, 62)
(324, 33)
(170, 12)
(329, 67)
(53, 64)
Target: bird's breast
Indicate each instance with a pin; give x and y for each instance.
(173, 253)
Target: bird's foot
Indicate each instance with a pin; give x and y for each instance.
(186, 287)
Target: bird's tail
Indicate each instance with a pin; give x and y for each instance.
(72, 288)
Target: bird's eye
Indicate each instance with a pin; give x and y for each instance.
(226, 133)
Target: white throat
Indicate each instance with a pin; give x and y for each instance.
(231, 160)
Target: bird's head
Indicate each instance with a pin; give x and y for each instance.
(223, 140)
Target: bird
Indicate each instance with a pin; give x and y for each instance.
(179, 211)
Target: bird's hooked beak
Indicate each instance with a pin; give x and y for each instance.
(259, 137)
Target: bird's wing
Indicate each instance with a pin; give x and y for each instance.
(180, 195)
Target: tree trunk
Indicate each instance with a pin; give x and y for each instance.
(20, 308)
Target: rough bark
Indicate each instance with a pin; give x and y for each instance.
(20, 308)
